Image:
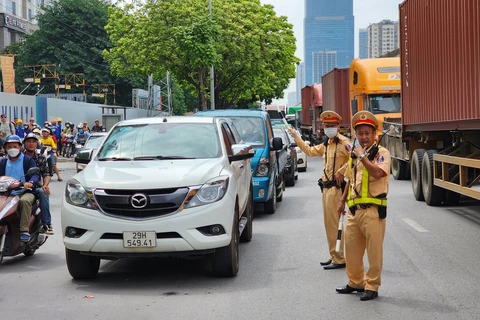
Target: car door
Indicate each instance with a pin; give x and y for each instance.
(238, 167)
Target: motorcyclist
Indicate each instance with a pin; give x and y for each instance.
(31, 144)
(47, 141)
(81, 136)
(19, 131)
(16, 165)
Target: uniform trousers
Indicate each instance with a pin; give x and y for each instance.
(331, 198)
(365, 230)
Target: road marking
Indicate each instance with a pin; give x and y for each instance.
(414, 225)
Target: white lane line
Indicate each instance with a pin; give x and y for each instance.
(414, 225)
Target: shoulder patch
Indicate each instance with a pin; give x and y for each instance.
(348, 147)
(380, 159)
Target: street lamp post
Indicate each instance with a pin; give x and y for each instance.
(212, 71)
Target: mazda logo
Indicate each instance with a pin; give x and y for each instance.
(139, 201)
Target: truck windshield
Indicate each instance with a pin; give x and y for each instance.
(161, 141)
(384, 103)
(251, 130)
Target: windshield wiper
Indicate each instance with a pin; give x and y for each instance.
(115, 159)
(162, 158)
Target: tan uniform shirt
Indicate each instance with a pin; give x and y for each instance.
(343, 148)
(375, 186)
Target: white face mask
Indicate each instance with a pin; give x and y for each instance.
(13, 152)
(331, 132)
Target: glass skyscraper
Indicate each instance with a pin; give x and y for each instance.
(363, 43)
(329, 37)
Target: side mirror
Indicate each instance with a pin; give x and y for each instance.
(241, 152)
(84, 156)
(32, 171)
(277, 143)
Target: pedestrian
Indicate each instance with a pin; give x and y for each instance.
(97, 127)
(30, 126)
(336, 150)
(366, 196)
(58, 134)
(19, 131)
(6, 128)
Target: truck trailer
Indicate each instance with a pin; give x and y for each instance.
(437, 140)
(312, 106)
(336, 96)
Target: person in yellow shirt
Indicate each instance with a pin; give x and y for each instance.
(47, 141)
(366, 196)
(336, 150)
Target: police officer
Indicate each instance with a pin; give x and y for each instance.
(366, 196)
(337, 152)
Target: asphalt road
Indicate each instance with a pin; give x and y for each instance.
(430, 271)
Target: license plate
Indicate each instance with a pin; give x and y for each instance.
(139, 239)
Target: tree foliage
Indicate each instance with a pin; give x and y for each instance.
(250, 47)
(72, 36)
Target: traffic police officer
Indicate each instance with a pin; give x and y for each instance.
(366, 196)
(337, 152)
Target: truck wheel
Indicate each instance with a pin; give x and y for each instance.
(248, 231)
(225, 262)
(433, 195)
(399, 169)
(81, 266)
(282, 188)
(416, 173)
(271, 205)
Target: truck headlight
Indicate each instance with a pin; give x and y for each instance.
(210, 192)
(75, 194)
(263, 167)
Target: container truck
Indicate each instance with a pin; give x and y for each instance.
(438, 135)
(375, 87)
(336, 96)
(311, 109)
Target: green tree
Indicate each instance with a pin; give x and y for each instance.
(72, 36)
(251, 48)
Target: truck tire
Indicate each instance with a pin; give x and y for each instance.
(399, 169)
(271, 205)
(225, 261)
(433, 195)
(81, 266)
(416, 173)
(282, 188)
(248, 231)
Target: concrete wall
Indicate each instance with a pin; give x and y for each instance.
(23, 107)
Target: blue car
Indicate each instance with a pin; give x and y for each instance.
(255, 129)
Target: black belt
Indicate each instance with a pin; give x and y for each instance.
(363, 206)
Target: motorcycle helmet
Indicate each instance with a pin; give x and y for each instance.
(54, 121)
(20, 121)
(31, 135)
(59, 120)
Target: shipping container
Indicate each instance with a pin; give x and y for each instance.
(311, 108)
(336, 94)
(440, 64)
(437, 140)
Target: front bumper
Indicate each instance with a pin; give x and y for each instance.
(176, 232)
(262, 189)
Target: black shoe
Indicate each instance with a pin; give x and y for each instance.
(369, 295)
(334, 266)
(348, 289)
(326, 263)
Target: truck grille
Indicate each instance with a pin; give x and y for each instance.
(140, 204)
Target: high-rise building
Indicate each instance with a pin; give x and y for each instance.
(292, 99)
(17, 17)
(363, 43)
(328, 28)
(300, 79)
(383, 37)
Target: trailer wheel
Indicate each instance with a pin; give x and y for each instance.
(416, 173)
(399, 169)
(433, 195)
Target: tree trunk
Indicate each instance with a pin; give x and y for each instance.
(201, 81)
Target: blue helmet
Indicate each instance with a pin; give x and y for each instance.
(13, 138)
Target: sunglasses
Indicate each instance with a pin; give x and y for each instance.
(3, 117)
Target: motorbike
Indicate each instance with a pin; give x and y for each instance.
(10, 244)
(79, 145)
(67, 142)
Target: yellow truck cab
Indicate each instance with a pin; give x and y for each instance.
(375, 87)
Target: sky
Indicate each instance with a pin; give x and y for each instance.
(365, 12)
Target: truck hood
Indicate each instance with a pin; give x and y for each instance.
(151, 174)
(259, 153)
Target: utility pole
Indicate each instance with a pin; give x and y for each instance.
(212, 71)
